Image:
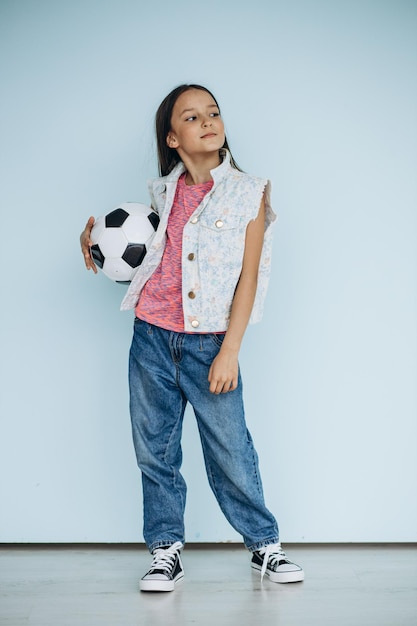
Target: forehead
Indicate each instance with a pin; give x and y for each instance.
(193, 99)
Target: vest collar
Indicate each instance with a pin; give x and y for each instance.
(217, 173)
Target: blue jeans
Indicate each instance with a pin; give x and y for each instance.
(167, 370)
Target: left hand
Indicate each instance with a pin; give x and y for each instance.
(223, 373)
(85, 241)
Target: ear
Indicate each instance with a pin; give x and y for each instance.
(172, 141)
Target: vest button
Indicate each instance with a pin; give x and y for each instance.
(195, 323)
(191, 295)
(194, 220)
(191, 256)
(219, 224)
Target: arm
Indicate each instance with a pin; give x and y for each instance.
(223, 372)
(85, 242)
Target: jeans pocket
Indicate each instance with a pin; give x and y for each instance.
(146, 326)
(217, 338)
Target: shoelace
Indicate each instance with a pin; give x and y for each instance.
(164, 557)
(273, 552)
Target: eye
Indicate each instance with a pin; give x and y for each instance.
(215, 114)
(190, 119)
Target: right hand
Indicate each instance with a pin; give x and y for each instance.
(85, 241)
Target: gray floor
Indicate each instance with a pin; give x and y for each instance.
(345, 585)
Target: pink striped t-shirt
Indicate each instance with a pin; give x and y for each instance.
(160, 302)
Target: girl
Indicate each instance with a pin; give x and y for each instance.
(203, 279)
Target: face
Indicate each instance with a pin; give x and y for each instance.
(196, 125)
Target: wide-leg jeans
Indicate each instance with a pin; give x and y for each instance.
(166, 370)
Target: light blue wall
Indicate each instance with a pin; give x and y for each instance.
(320, 96)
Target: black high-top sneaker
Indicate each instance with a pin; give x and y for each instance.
(166, 569)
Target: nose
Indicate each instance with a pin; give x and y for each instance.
(207, 121)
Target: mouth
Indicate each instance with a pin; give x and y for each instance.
(208, 135)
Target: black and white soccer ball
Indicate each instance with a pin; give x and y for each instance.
(121, 239)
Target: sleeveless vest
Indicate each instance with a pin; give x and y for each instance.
(213, 246)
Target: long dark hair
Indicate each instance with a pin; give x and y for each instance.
(169, 157)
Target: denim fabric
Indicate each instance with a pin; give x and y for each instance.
(167, 370)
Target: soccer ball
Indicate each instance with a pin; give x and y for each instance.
(121, 238)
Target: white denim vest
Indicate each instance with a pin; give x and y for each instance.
(213, 246)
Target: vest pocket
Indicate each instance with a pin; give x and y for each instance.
(222, 237)
(221, 223)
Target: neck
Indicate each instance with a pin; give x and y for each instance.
(198, 169)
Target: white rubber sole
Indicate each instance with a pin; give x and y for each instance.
(297, 576)
(160, 585)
